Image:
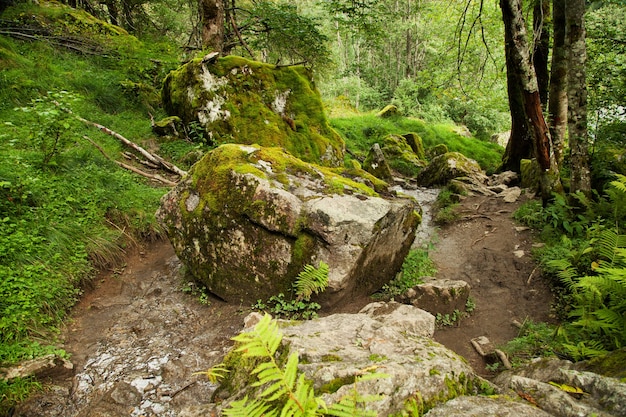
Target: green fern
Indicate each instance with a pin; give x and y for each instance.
(284, 384)
(311, 280)
(620, 183)
(283, 391)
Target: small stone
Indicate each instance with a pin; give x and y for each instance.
(483, 346)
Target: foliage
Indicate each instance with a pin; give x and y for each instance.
(310, 280)
(416, 265)
(50, 124)
(445, 207)
(599, 299)
(287, 35)
(282, 389)
(533, 340)
(587, 252)
(65, 210)
(449, 319)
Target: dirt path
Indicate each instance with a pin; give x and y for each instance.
(137, 338)
(485, 249)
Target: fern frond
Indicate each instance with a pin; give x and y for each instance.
(620, 183)
(311, 280)
(214, 374)
(262, 341)
(565, 271)
(249, 408)
(607, 244)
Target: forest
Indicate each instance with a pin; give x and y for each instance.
(77, 75)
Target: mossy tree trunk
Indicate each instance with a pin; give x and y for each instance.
(212, 17)
(557, 101)
(521, 64)
(577, 97)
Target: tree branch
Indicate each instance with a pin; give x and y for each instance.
(130, 167)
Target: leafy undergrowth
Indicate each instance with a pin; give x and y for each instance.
(361, 131)
(66, 210)
(584, 256)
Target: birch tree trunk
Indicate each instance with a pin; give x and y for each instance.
(577, 97)
(521, 64)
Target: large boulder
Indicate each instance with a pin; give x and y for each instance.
(246, 220)
(560, 388)
(389, 338)
(241, 101)
(448, 166)
(401, 156)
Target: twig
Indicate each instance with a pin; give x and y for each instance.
(245, 45)
(483, 236)
(131, 168)
(530, 277)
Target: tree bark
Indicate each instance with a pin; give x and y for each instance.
(212, 17)
(577, 97)
(557, 100)
(521, 64)
(520, 145)
(541, 27)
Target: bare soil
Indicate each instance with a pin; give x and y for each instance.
(487, 249)
(142, 330)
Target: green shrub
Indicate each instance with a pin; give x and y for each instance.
(416, 265)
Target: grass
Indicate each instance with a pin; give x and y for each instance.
(416, 265)
(361, 131)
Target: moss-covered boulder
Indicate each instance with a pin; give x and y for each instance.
(241, 101)
(530, 173)
(416, 144)
(246, 220)
(436, 150)
(400, 155)
(376, 164)
(389, 111)
(448, 166)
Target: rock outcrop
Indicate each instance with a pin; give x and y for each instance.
(561, 389)
(388, 338)
(241, 101)
(448, 166)
(247, 219)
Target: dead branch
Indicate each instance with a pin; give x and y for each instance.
(155, 177)
(155, 159)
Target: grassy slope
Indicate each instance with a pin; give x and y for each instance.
(61, 220)
(362, 131)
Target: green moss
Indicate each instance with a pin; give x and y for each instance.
(434, 371)
(375, 357)
(334, 385)
(331, 358)
(253, 102)
(612, 364)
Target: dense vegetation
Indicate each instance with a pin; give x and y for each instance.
(66, 211)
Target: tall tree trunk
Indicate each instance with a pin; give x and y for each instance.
(541, 52)
(577, 97)
(557, 100)
(212, 18)
(522, 66)
(520, 145)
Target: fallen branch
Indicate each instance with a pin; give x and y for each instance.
(155, 159)
(155, 177)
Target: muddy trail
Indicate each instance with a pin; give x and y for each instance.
(138, 338)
